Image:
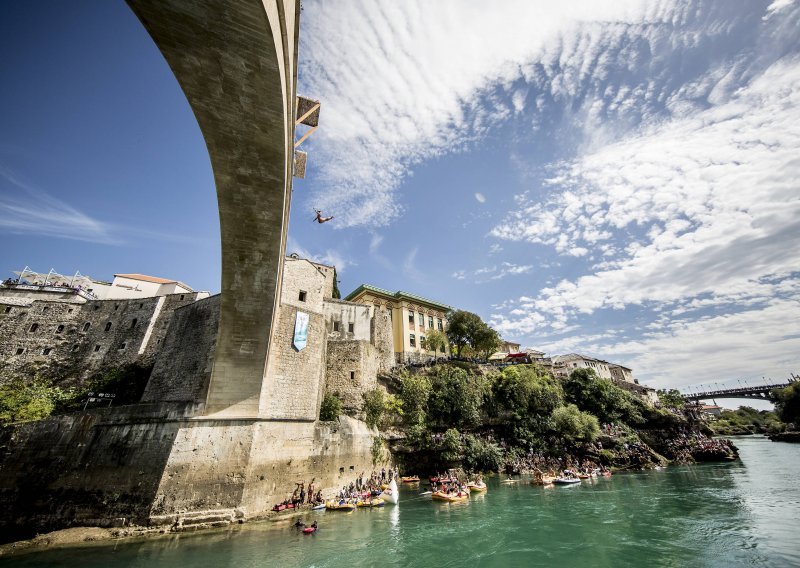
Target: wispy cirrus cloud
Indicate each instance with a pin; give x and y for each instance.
(25, 209)
(417, 80)
(713, 196)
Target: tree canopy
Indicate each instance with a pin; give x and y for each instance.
(468, 329)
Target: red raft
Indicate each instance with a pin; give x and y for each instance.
(309, 530)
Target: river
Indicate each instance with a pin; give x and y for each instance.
(743, 513)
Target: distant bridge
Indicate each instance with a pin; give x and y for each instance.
(762, 392)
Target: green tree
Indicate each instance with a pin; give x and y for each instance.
(456, 397)
(336, 295)
(573, 425)
(604, 399)
(435, 341)
(671, 398)
(461, 326)
(451, 445)
(787, 403)
(331, 408)
(22, 401)
(373, 407)
(485, 340)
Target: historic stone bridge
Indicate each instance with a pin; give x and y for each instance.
(236, 62)
(762, 392)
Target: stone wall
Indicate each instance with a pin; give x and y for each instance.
(182, 369)
(341, 317)
(352, 370)
(293, 384)
(148, 464)
(71, 341)
(382, 338)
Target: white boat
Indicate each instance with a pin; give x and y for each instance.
(566, 481)
(391, 494)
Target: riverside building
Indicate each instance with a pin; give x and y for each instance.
(412, 317)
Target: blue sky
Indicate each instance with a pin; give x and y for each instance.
(614, 178)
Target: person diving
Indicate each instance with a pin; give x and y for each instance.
(320, 219)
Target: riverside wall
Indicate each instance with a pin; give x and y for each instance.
(158, 465)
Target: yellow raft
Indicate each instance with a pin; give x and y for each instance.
(374, 503)
(339, 506)
(476, 487)
(450, 497)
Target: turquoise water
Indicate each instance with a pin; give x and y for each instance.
(733, 514)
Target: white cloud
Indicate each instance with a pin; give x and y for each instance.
(25, 209)
(331, 257)
(480, 198)
(404, 82)
(715, 193)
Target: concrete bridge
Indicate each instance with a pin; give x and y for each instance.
(761, 392)
(236, 62)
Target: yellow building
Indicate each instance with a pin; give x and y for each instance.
(412, 317)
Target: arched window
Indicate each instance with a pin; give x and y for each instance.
(59, 329)
(108, 326)
(86, 326)
(34, 327)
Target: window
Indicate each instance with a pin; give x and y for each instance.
(116, 307)
(59, 329)
(122, 346)
(183, 296)
(8, 309)
(86, 326)
(96, 307)
(302, 296)
(34, 327)
(75, 347)
(44, 309)
(108, 326)
(141, 305)
(422, 320)
(351, 327)
(69, 311)
(412, 340)
(439, 324)
(422, 341)
(336, 326)
(20, 351)
(134, 321)
(430, 322)
(352, 375)
(96, 348)
(411, 317)
(441, 348)
(47, 351)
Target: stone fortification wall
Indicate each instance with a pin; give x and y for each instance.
(182, 369)
(382, 338)
(150, 465)
(71, 341)
(341, 317)
(293, 385)
(352, 370)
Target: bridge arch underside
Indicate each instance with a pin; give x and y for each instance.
(236, 63)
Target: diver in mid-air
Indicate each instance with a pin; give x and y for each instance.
(320, 219)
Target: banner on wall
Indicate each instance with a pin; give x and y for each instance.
(300, 331)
